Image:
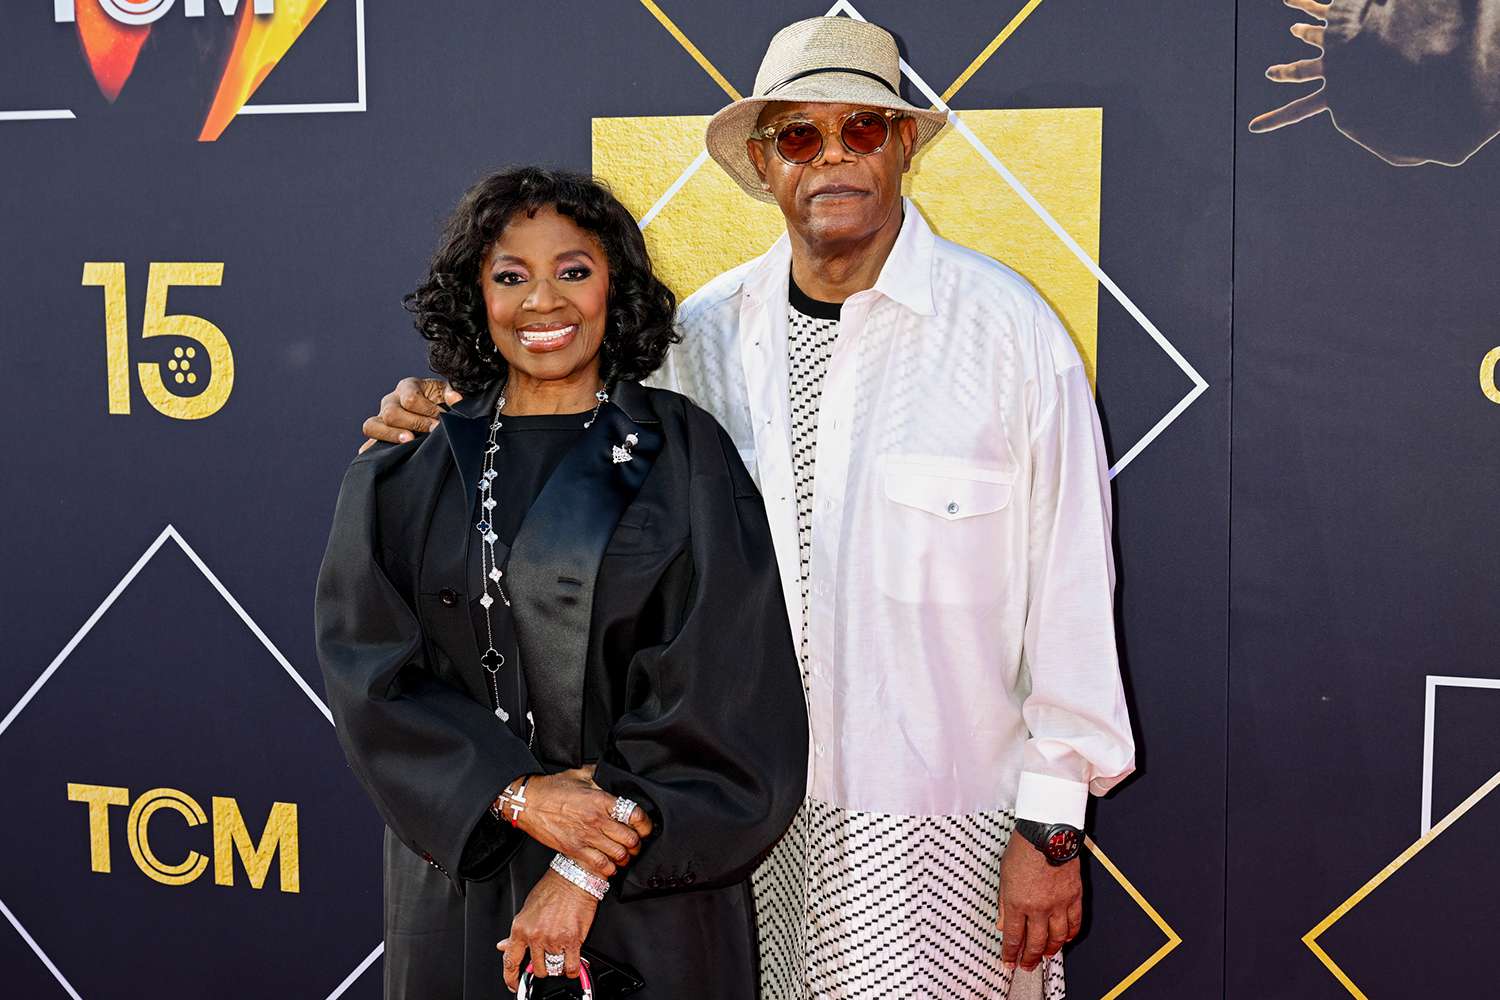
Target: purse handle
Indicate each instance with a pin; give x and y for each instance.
(523, 988)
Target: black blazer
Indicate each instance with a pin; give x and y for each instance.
(646, 598)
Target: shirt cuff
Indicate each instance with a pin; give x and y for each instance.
(1045, 799)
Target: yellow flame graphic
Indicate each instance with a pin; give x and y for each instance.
(259, 44)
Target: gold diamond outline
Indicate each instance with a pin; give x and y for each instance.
(1311, 937)
(1168, 946)
(989, 50)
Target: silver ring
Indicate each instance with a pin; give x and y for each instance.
(622, 810)
(553, 962)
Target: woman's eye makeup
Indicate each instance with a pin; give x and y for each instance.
(577, 272)
(509, 278)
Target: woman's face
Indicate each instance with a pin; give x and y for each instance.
(546, 293)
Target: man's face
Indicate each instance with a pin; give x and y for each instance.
(839, 197)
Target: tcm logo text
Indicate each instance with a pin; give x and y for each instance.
(231, 837)
(148, 11)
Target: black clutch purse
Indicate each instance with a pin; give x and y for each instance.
(602, 979)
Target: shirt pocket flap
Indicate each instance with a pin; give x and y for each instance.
(952, 492)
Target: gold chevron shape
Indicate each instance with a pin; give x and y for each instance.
(259, 44)
(1311, 937)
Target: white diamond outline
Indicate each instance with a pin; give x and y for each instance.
(336, 107)
(1429, 729)
(52, 114)
(1200, 385)
(169, 532)
(328, 108)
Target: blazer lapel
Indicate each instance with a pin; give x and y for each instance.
(468, 428)
(554, 561)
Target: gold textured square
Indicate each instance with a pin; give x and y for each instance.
(709, 225)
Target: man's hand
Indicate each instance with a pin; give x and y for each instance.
(556, 918)
(1041, 906)
(569, 813)
(409, 409)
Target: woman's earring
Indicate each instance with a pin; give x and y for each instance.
(477, 349)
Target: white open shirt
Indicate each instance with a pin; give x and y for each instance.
(961, 643)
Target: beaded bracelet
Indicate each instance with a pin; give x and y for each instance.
(579, 876)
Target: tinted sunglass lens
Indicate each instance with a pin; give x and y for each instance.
(799, 142)
(864, 133)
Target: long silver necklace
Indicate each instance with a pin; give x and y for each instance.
(492, 658)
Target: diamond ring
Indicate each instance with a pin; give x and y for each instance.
(622, 810)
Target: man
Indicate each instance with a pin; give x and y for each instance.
(924, 434)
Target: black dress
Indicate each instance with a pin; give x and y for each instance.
(647, 634)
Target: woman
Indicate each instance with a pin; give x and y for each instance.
(552, 631)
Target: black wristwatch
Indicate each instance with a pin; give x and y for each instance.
(1058, 842)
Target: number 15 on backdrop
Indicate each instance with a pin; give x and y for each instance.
(171, 387)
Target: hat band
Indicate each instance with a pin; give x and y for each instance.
(830, 69)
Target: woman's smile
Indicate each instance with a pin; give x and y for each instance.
(543, 337)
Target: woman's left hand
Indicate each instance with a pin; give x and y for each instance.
(556, 918)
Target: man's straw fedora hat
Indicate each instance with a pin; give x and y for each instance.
(824, 60)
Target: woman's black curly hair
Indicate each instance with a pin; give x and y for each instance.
(449, 306)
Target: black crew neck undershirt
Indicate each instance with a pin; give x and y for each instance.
(808, 306)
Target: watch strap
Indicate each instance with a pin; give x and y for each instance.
(1042, 835)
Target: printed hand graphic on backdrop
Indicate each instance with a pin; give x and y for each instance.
(1302, 71)
(1412, 81)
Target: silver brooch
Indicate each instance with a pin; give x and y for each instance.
(620, 454)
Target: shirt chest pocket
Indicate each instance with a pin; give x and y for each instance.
(945, 531)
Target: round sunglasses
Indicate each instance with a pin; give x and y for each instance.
(799, 141)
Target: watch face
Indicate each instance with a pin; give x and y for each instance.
(1062, 845)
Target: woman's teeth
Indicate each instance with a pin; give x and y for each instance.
(545, 336)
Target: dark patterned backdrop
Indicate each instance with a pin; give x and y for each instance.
(201, 305)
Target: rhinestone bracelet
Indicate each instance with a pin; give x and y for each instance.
(575, 873)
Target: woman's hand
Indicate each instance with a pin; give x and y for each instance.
(556, 918)
(570, 814)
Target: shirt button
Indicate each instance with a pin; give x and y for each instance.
(952, 507)
(448, 596)
(818, 749)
